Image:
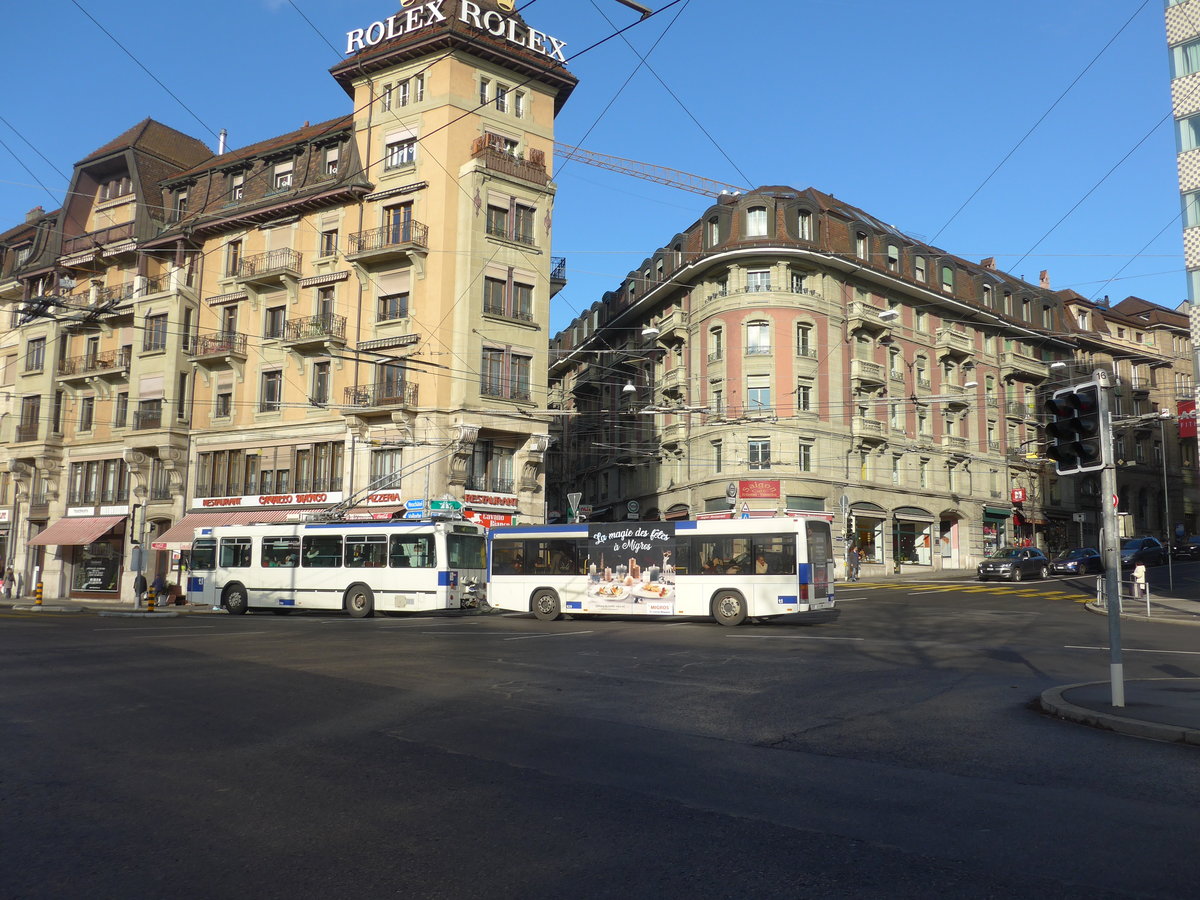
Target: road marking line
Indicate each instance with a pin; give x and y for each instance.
(547, 634)
(792, 637)
(848, 599)
(1132, 650)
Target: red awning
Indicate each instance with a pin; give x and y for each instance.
(179, 536)
(76, 531)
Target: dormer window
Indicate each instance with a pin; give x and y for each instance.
(860, 244)
(804, 226)
(237, 185)
(281, 180)
(756, 221)
(893, 258)
(919, 268)
(115, 187)
(331, 160)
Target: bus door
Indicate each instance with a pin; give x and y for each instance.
(201, 589)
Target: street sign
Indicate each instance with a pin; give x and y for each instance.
(573, 499)
(745, 510)
(445, 505)
(414, 504)
(414, 514)
(633, 507)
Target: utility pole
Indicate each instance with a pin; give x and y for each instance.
(1112, 547)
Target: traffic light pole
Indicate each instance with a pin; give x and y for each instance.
(1112, 547)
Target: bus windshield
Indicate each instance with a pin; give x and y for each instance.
(466, 551)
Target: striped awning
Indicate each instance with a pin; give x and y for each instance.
(76, 531)
(179, 536)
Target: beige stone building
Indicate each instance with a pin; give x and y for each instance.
(253, 334)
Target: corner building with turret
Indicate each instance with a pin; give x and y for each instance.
(247, 335)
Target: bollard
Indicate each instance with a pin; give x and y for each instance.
(37, 595)
(150, 599)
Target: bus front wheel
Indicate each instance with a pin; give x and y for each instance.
(360, 602)
(729, 608)
(234, 599)
(545, 606)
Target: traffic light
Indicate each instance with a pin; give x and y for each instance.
(1073, 431)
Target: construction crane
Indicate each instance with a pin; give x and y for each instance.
(685, 181)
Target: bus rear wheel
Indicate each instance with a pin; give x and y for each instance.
(545, 606)
(360, 602)
(729, 608)
(234, 599)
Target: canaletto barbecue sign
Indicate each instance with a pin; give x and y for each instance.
(433, 12)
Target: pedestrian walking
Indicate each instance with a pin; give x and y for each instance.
(9, 585)
(852, 562)
(1139, 581)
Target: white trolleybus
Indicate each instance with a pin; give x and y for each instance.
(359, 567)
(730, 569)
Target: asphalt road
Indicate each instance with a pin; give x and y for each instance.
(893, 753)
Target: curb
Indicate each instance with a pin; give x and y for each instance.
(1163, 619)
(1052, 702)
(47, 609)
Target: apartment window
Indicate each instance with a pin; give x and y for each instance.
(273, 329)
(758, 280)
(181, 397)
(282, 178)
(1185, 59)
(718, 402)
(804, 343)
(948, 279)
(399, 153)
(233, 257)
(497, 220)
(501, 98)
(896, 459)
(181, 202)
(804, 456)
(759, 452)
(1191, 209)
(804, 225)
(154, 335)
(320, 383)
(923, 423)
(758, 393)
(1047, 317)
(116, 187)
(403, 93)
(385, 98)
(713, 230)
(331, 160)
(237, 186)
(121, 410)
(229, 317)
(484, 86)
(756, 221)
(419, 87)
(392, 306)
(223, 405)
(895, 416)
(987, 295)
(717, 451)
(860, 244)
(329, 242)
(35, 355)
(894, 361)
(920, 321)
(1189, 133)
(87, 413)
(523, 223)
(519, 101)
(758, 338)
(271, 392)
(325, 302)
(923, 472)
(716, 341)
(919, 268)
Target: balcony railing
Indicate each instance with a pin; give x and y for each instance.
(401, 234)
(94, 239)
(558, 268)
(386, 394)
(490, 484)
(147, 418)
(758, 350)
(320, 327)
(509, 234)
(496, 387)
(94, 363)
(220, 344)
(497, 309)
(715, 356)
(27, 431)
(532, 169)
(273, 262)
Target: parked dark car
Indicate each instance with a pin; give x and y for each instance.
(1189, 549)
(1078, 561)
(1014, 564)
(1146, 550)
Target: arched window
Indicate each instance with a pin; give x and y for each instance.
(893, 258)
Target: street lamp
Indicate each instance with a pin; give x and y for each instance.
(888, 314)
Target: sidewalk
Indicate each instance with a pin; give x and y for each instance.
(1163, 709)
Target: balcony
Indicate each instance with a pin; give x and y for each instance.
(318, 332)
(758, 350)
(864, 317)
(558, 274)
(26, 431)
(84, 251)
(389, 242)
(867, 429)
(111, 362)
(674, 381)
(1019, 410)
(492, 155)
(866, 372)
(672, 433)
(146, 419)
(490, 483)
(499, 388)
(1022, 367)
(949, 342)
(955, 441)
(672, 327)
(956, 394)
(388, 395)
(270, 267)
(219, 348)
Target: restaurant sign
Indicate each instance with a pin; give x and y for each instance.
(422, 15)
(269, 500)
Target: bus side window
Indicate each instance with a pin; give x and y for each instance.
(235, 553)
(410, 551)
(681, 559)
(562, 558)
(508, 558)
(322, 552)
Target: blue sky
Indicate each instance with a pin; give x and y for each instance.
(900, 109)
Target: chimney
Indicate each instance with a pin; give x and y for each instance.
(1044, 278)
(221, 142)
(989, 263)
(34, 214)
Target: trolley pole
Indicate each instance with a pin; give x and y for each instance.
(1112, 547)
